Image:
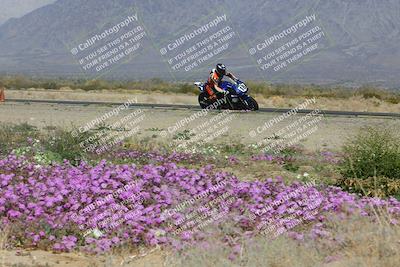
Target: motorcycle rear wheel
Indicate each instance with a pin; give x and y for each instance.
(204, 102)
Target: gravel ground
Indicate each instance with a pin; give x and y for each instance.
(247, 127)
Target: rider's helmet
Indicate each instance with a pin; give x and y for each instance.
(220, 69)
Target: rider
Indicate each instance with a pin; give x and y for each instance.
(215, 78)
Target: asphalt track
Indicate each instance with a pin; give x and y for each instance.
(193, 107)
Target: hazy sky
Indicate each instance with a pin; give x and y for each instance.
(18, 8)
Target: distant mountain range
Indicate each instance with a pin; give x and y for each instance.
(360, 41)
(17, 8)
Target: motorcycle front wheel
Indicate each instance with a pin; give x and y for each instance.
(252, 104)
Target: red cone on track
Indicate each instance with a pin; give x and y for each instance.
(2, 96)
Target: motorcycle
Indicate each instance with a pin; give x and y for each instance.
(235, 96)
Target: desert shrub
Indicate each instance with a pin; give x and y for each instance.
(35, 151)
(373, 186)
(258, 87)
(395, 99)
(372, 153)
(289, 155)
(371, 163)
(158, 85)
(45, 147)
(50, 85)
(157, 81)
(389, 96)
(18, 82)
(65, 145)
(368, 92)
(235, 148)
(95, 85)
(187, 88)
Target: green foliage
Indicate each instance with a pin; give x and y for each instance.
(372, 153)
(65, 145)
(291, 166)
(22, 151)
(393, 99)
(235, 148)
(187, 89)
(12, 136)
(371, 164)
(289, 155)
(47, 157)
(184, 135)
(36, 151)
(47, 146)
(50, 85)
(18, 82)
(290, 151)
(95, 85)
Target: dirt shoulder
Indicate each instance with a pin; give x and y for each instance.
(356, 103)
(331, 131)
(40, 258)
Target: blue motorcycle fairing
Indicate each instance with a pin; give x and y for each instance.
(225, 85)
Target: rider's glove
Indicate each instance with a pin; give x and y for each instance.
(226, 92)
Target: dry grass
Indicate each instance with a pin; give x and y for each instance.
(3, 241)
(3, 238)
(354, 242)
(157, 85)
(351, 103)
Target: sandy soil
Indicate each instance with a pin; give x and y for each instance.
(41, 258)
(36, 258)
(350, 104)
(331, 132)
